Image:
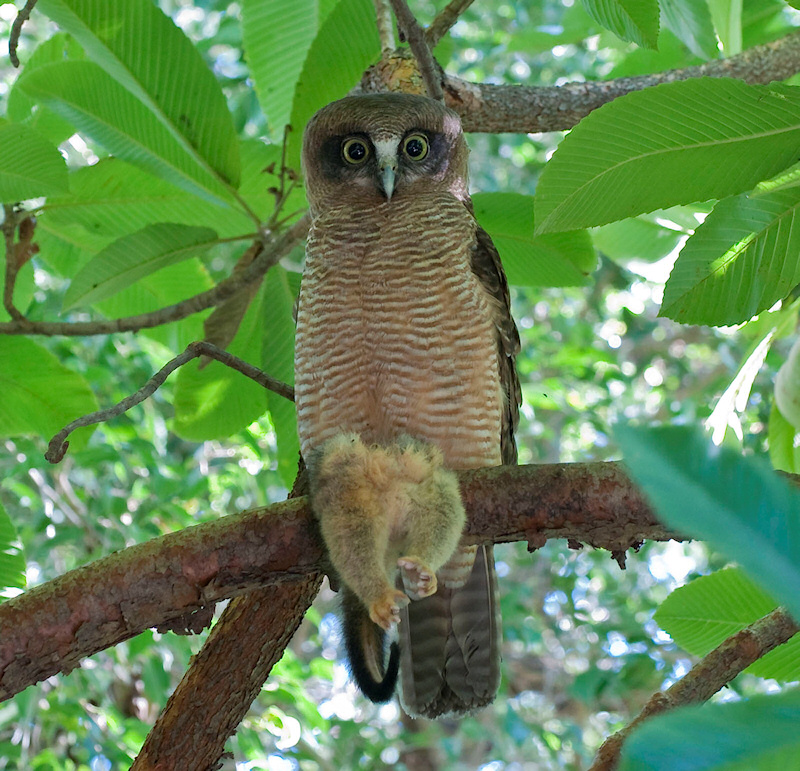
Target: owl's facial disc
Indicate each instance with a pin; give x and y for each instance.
(386, 156)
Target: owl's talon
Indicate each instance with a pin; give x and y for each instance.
(385, 612)
(418, 579)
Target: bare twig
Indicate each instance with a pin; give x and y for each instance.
(383, 19)
(225, 289)
(445, 20)
(53, 626)
(9, 228)
(16, 30)
(716, 670)
(58, 444)
(429, 69)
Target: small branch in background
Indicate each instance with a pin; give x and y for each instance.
(16, 30)
(445, 20)
(383, 19)
(428, 67)
(716, 670)
(268, 257)
(58, 444)
(22, 225)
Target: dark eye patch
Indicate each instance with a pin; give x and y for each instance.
(334, 165)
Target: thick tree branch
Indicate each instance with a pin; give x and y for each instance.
(51, 627)
(268, 257)
(530, 109)
(58, 444)
(716, 670)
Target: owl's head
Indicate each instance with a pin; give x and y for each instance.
(379, 148)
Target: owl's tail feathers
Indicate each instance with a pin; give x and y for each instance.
(450, 644)
(366, 651)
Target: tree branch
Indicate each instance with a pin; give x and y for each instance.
(51, 627)
(716, 670)
(58, 444)
(383, 20)
(531, 109)
(16, 30)
(266, 259)
(441, 25)
(429, 69)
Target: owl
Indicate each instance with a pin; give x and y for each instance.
(404, 373)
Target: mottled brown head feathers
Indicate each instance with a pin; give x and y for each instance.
(418, 136)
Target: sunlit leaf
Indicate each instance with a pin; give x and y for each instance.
(30, 165)
(784, 442)
(690, 21)
(675, 143)
(727, 17)
(633, 20)
(12, 559)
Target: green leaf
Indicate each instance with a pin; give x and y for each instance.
(561, 259)
(277, 36)
(12, 559)
(20, 106)
(690, 21)
(216, 401)
(739, 262)
(141, 49)
(134, 256)
(40, 395)
(784, 442)
(29, 165)
(675, 143)
(738, 504)
(640, 238)
(87, 96)
(755, 735)
(277, 359)
(348, 37)
(727, 17)
(706, 612)
(633, 20)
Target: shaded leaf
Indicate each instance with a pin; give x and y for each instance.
(134, 256)
(633, 20)
(636, 239)
(784, 442)
(30, 165)
(736, 503)
(690, 21)
(727, 17)
(12, 559)
(699, 139)
(704, 613)
(740, 261)
(560, 259)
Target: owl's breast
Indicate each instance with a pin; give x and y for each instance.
(395, 334)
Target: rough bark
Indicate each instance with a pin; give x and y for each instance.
(50, 628)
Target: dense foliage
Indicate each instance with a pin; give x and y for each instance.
(151, 159)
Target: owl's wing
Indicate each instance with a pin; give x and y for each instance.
(450, 649)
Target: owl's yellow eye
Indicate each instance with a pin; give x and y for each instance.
(415, 146)
(355, 150)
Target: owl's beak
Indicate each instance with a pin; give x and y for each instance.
(388, 168)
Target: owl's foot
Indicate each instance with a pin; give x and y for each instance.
(418, 579)
(385, 611)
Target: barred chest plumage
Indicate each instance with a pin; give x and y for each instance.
(395, 332)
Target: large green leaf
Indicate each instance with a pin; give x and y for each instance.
(690, 21)
(738, 504)
(38, 395)
(633, 20)
(12, 559)
(704, 613)
(30, 165)
(142, 49)
(277, 359)
(560, 259)
(784, 442)
(675, 143)
(83, 93)
(727, 17)
(277, 36)
(755, 735)
(134, 256)
(740, 261)
(348, 37)
(19, 107)
(637, 239)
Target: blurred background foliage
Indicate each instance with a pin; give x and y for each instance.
(582, 652)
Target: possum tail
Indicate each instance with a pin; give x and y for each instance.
(366, 651)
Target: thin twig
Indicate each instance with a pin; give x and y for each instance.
(16, 31)
(445, 20)
(428, 68)
(221, 292)
(383, 19)
(9, 228)
(58, 446)
(716, 670)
